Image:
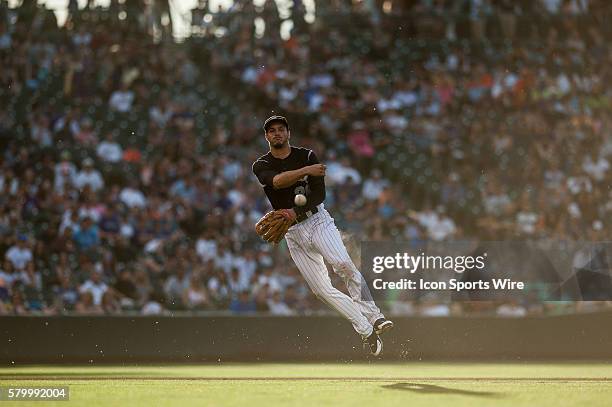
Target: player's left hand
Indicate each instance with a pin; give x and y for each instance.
(273, 226)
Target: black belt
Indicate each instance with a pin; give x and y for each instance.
(303, 216)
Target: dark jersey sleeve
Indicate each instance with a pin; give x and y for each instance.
(264, 173)
(317, 189)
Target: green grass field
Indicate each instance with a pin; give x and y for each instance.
(376, 384)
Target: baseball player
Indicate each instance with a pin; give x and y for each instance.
(312, 237)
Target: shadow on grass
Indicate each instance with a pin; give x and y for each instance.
(433, 389)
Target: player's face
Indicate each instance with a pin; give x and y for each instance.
(277, 135)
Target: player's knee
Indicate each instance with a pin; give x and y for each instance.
(345, 267)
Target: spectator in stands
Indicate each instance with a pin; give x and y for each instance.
(87, 305)
(41, 132)
(195, 296)
(132, 196)
(20, 255)
(109, 303)
(373, 186)
(109, 150)
(122, 99)
(87, 235)
(95, 287)
(177, 284)
(218, 289)
(125, 288)
(65, 173)
(243, 303)
(277, 306)
(66, 294)
(89, 177)
(86, 136)
(154, 305)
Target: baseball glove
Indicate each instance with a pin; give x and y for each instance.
(274, 224)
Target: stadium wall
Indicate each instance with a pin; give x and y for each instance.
(125, 339)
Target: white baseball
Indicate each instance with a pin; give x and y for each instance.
(300, 200)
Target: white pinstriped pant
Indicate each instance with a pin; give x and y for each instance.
(318, 238)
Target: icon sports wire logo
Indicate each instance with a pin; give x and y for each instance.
(412, 264)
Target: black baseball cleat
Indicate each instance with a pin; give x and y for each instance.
(382, 325)
(374, 344)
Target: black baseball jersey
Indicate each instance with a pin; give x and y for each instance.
(267, 166)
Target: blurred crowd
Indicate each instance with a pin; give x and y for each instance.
(126, 183)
